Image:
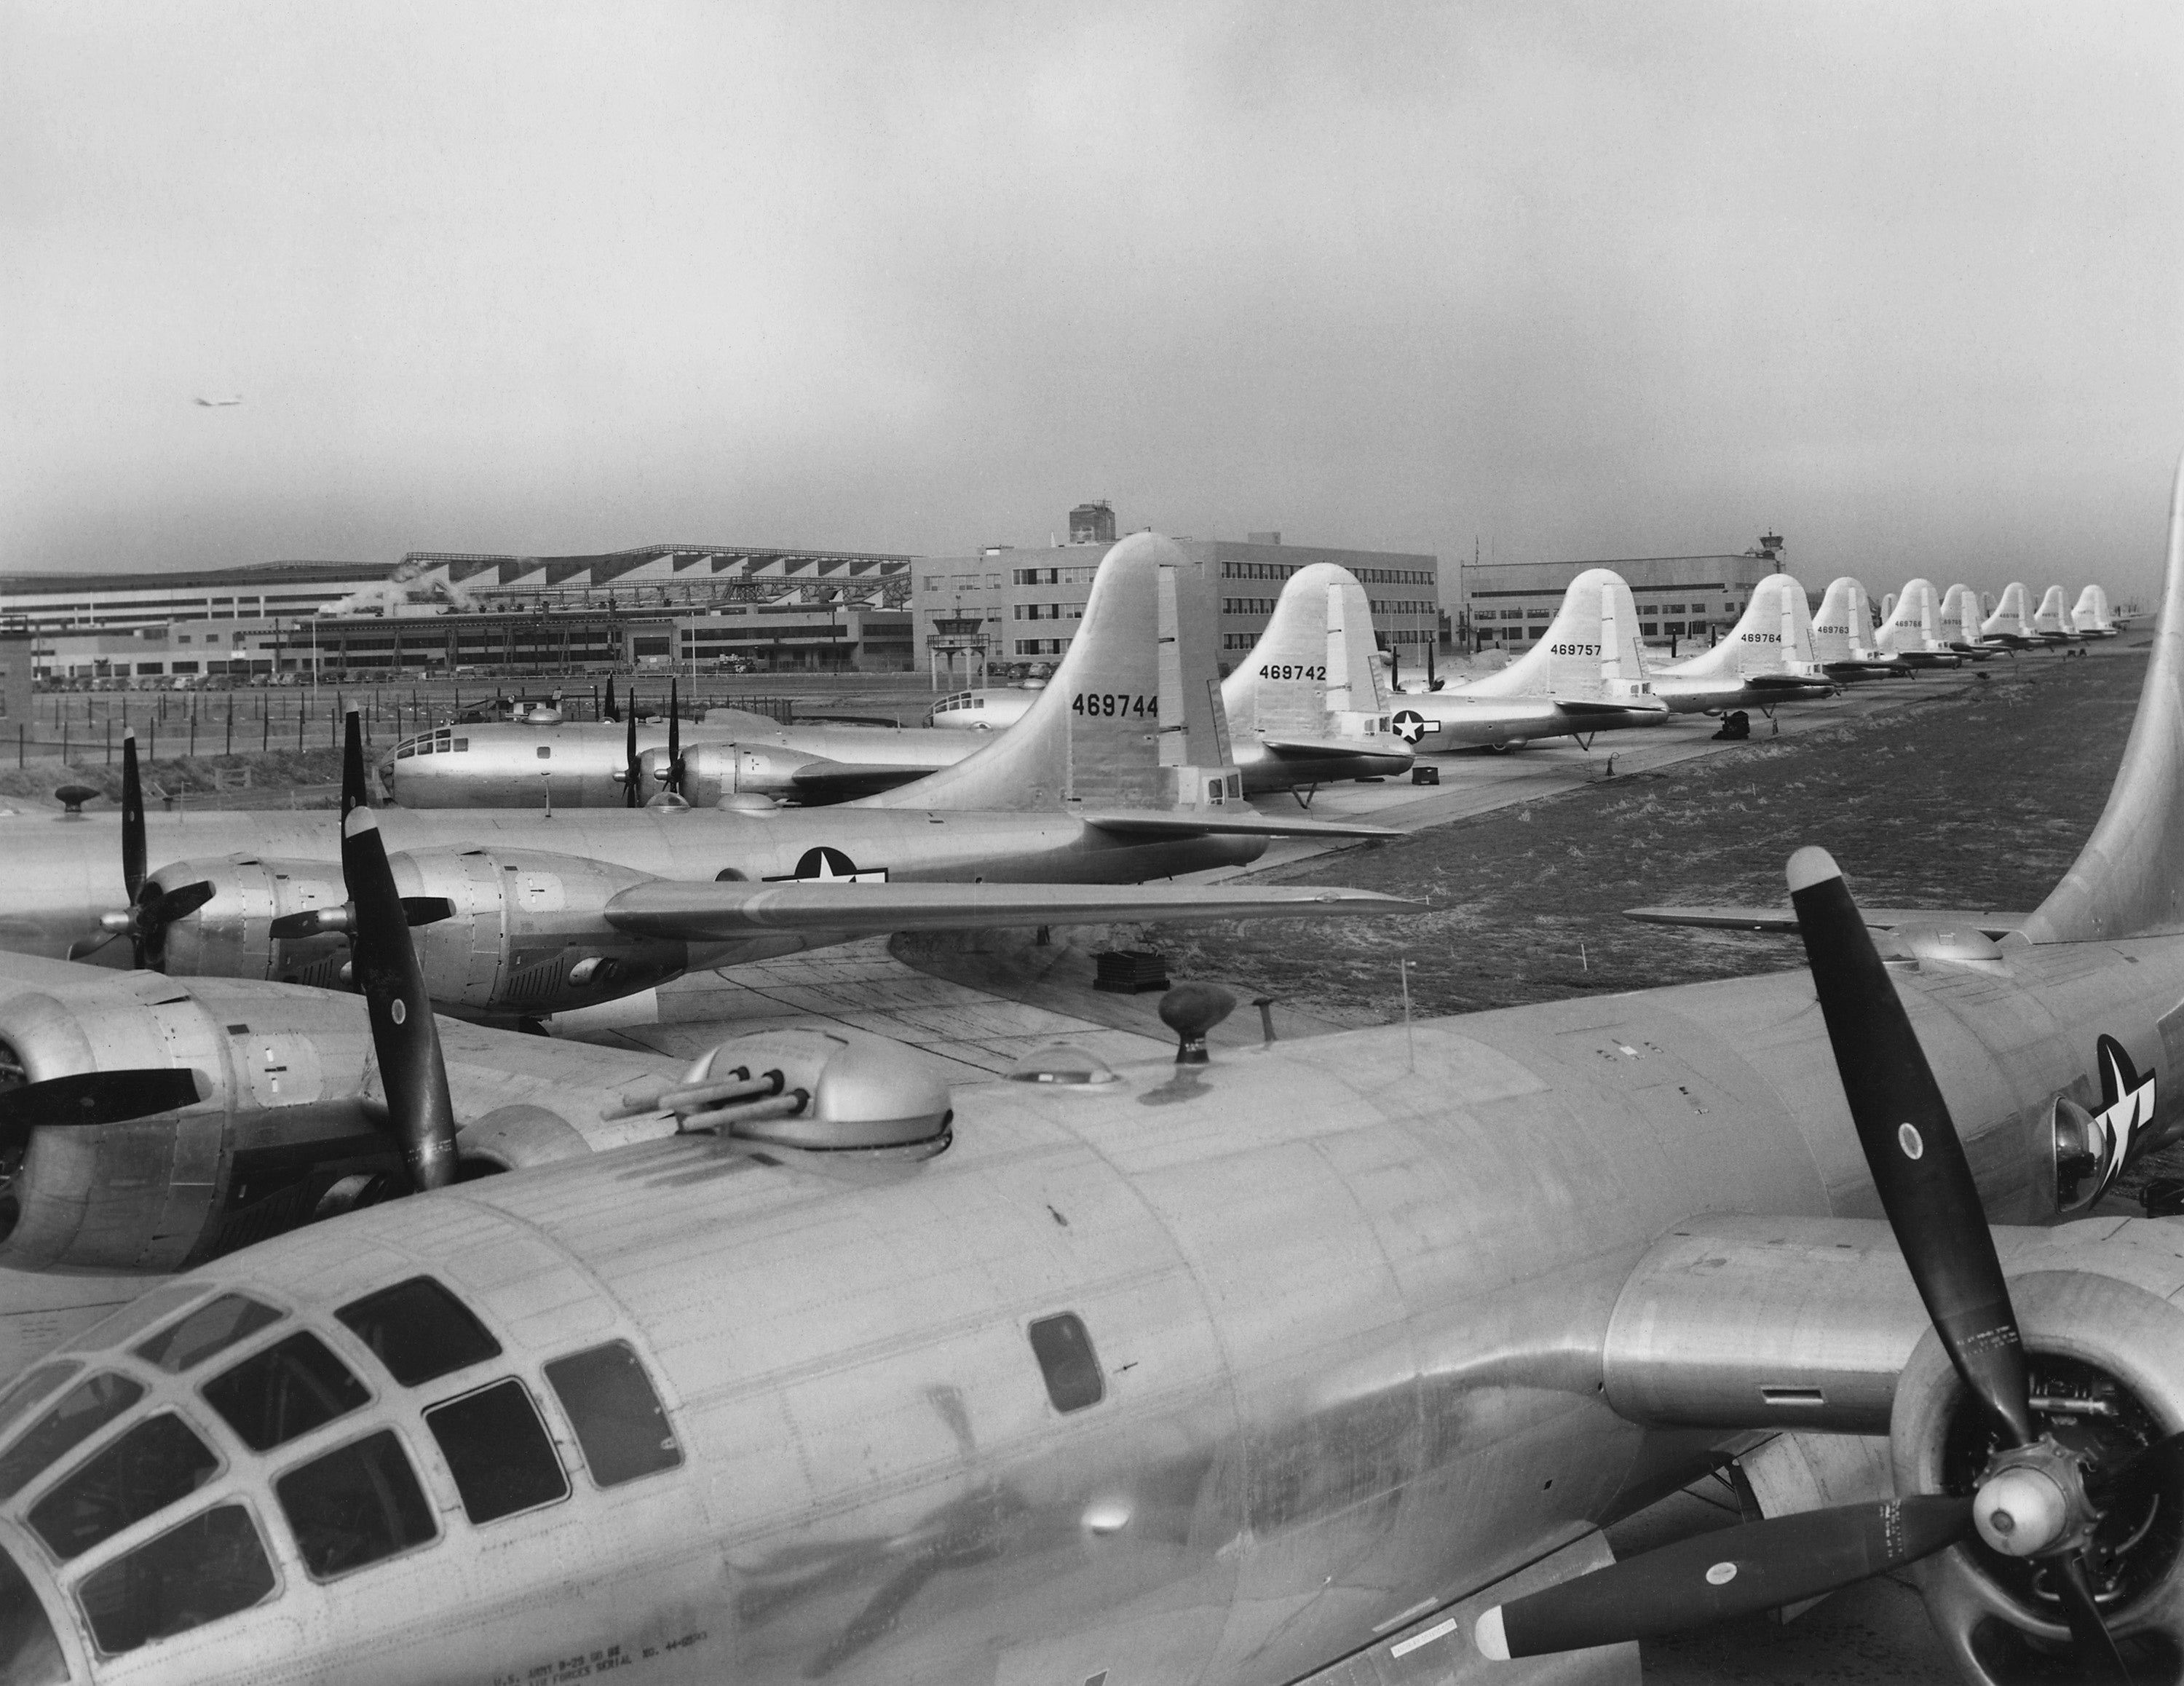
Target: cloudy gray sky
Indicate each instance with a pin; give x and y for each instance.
(1588, 279)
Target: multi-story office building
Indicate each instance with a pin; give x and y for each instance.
(1002, 608)
(1510, 604)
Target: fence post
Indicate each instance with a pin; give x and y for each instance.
(265, 727)
(22, 745)
(230, 750)
(193, 731)
(110, 744)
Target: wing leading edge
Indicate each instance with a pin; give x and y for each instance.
(688, 912)
(1784, 920)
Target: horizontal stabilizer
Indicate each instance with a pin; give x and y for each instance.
(1242, 823)
(1785, 919)
(1570, 705)
(688, 912)
(1329, 748)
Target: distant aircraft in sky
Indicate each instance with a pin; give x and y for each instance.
(217, 403)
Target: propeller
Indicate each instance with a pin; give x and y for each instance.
(88, 1097)
(420, 1115)
(2035, 1498)
(632, 774)
(1433, 680)
(133, 848)
(674, 780)
(354, 793)
(152, 905)
(607, 709)
(670, 793)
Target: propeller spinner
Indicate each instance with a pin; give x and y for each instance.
(2032, 1500)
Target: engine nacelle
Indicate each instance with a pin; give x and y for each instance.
(2105, 1342)
(499, 932)
(281, 1078)
(712, 771)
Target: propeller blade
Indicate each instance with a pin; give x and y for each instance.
(180, 903)
(354, 791)
(629, 796)
(311, 922)
(426, 910)
(1730, 1572)
(675, 736)
(132, 818)
(608, 710)
(420, 1115)
(93, 1098)
(2096, 1646)
(1912, 1147)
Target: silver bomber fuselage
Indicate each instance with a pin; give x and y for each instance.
(64, 874)
(1348, 1298)
(579, 764)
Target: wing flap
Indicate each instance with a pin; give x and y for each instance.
(1784, 920)
(694, 912)
(1330, 749)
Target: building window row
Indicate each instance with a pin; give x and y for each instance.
(1049, 611)
(1248, 605)
(1258, 570)
(1038, 647)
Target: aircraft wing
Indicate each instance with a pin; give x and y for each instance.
(1573, 706)
(838, 781)
(1243, 823)
(1784, 920)
(666, 908)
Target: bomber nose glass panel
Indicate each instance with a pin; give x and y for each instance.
(419, 1330)
(30, 1654)
(288, 1389)
(32, 1390)
(212, 1566)
(498, 1451)
(355, 1506)
(617, 1417)
(212, 1328)
(83, 1411)
(155, 1464)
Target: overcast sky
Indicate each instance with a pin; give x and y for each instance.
(1588, 280)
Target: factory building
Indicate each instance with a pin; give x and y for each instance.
(696, 607)
(1000, 608)
(1510, 606)
(58, 603)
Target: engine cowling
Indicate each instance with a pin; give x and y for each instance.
(712, 771)
(2105, 1342)
(281, 1078)
(502, 932)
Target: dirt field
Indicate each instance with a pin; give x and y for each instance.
(1976, 799)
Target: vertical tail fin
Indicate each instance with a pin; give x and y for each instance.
(1590, 653)
(2130, 875)
(2013, 615)
(1773, 634)
(1913, 624)
(1314, 659)
(2049, 616)
(2091, 613)
(1131, 717)
(1843, 629)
